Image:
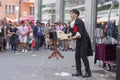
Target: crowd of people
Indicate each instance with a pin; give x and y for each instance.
(26, 36)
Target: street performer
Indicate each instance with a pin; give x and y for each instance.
(83, 44)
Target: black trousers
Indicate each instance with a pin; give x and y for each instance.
(4, 43)
(42, 40)
(81, 53)
(13, 42)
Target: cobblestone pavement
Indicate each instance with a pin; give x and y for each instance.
(36, 66)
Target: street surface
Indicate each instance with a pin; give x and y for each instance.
(35, 65)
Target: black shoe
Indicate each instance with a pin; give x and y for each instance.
(86, 75)
(63, 50)
(66, 50)
(77, 74)
(72, 49)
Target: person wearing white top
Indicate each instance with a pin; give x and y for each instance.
(83, 44)
(23, 30)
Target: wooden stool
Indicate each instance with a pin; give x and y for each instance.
(55, 53)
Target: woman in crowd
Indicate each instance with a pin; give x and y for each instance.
(47, 40)
(13, 31)
(30, 35)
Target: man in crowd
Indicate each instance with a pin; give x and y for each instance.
(23, 30)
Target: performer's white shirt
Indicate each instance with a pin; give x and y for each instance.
(72, 25)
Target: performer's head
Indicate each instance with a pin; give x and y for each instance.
(74, 13)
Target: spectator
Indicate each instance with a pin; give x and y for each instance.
(30, 35)
(65, 42)
(2, 35)
(43, 34)
(59, 26)
(23, 30)
(37, 34)
(47, 31)
(13, 37)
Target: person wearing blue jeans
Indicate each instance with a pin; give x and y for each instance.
(37, 43)
(37, 31)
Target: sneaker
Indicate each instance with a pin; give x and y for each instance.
(23, 50)
(26, 51)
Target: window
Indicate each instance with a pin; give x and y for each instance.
(31, 10)
(13, 9)
(10, 9)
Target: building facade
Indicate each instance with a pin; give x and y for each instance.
(50, 13)
(10, 8)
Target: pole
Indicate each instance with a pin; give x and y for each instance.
(38, 10)
(90, 19)
(118, 51)
(19, 13)
(52, 12)
(19, 10)
(119, 24)
(59, 13)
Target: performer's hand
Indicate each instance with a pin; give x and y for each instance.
(75, 37)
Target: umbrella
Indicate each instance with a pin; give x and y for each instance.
(29, 18)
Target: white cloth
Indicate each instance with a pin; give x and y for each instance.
(69, 35)
(72, 23)
(109, 40)
(78, 34)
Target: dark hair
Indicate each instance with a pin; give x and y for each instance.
(75, 11)
(22, 22)
(65, 24)
(37, 22)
